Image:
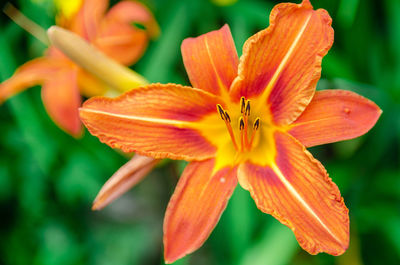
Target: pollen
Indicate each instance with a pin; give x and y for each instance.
(240, 135)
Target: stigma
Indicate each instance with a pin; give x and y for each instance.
(242, 140)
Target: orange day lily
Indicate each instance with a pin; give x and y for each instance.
(111, 32)
(246, 121)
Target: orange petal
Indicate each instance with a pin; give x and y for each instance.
(297, 190)
(129, 12)
(195, 207)
(155, 120)
(211, 60)
(334, 115)
(32, 73)
(121, 41)
(125, 178)
(282, 64)
(60, 95)
(86, 22)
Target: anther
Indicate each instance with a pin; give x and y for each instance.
(241, 123)
(227, 117)
(221, 111)
(242, 105)
(247, 112)
(242, 129)
(256, 124)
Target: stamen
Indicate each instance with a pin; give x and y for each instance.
(221, 111)
(242, 135)
(245, 144)
(246, 121)
(227, 119)
(241, 123)
(256, 126)
(247, 112)
(229, 127)
(242, 105)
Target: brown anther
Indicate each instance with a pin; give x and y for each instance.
(247, 112)
(221, 111)
(241, 123)
(256, 124)
(242, 105)
(227, 117)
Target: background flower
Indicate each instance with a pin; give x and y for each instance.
(113, 32)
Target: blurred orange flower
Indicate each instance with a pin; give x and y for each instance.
(246, 121)
(63, 81)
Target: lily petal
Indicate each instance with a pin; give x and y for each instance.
(87, 21)
(119, 38)
(211, 60)
(297, 190)
(32, 73)
(131, 11)
(195, 207)
(334, 115)
(157, 120)
(61, 98)
(121, 41)
(95, 62)
(124, 179)
(281, 65)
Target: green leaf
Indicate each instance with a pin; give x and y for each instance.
(277, 245)
(161, 58)
(25, 114)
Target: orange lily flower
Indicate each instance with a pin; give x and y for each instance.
(111, 32)
(246, 121)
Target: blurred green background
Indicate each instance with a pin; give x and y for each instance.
(48, 180)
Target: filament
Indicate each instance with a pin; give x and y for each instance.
(225, 117)
(256, 126)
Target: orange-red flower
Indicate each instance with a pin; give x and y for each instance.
(111, 32)
(246, 121)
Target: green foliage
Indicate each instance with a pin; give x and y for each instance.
(48, 179)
